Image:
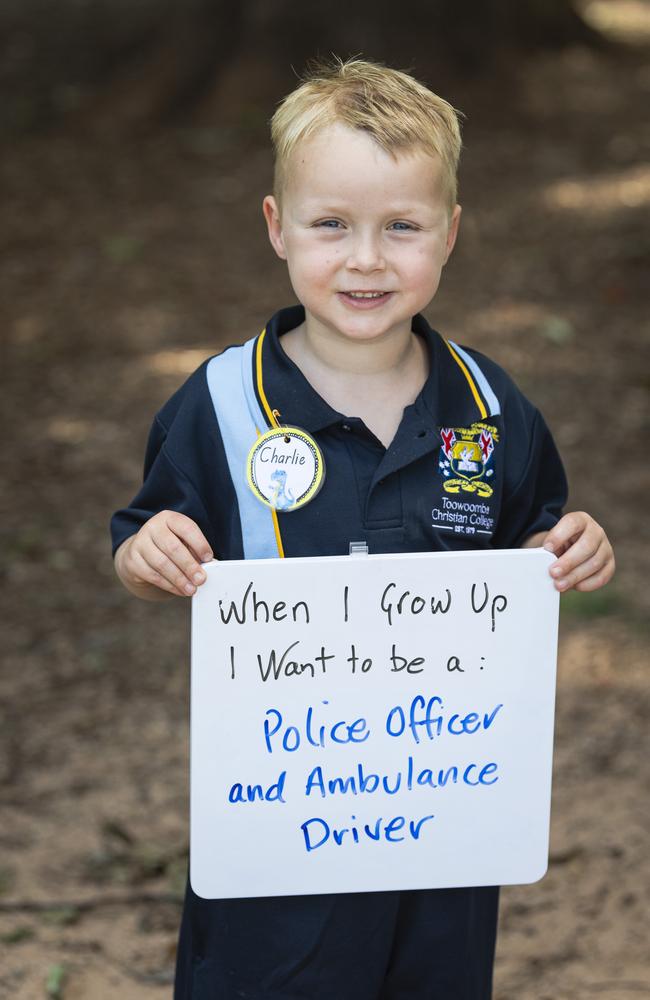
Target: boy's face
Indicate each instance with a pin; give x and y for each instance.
(365, 234)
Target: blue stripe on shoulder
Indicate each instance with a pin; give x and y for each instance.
(482, 382)
(240, 419)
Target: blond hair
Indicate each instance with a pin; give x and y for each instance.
(392, 107)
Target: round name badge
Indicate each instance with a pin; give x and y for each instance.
(285, 468)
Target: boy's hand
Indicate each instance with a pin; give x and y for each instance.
(586, 560)
(163, 558)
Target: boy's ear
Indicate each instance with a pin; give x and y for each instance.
(274, 225)
(452, 232)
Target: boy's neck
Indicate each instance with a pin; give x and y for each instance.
(374, 381)
(343, 357)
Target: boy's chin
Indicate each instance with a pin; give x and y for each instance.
(367, 332)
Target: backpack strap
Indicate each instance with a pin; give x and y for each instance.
(241, 421)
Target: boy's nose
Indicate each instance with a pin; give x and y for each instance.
(366, 255)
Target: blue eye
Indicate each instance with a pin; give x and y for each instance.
(402, 227)
(328, 224)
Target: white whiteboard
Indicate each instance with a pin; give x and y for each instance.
(435, 710)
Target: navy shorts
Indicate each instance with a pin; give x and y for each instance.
(435, 944)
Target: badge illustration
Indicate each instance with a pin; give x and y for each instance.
(466, 458)
(285, 468)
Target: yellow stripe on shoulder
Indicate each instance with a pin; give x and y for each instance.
(273, 422)
(260, 381)
(470, 381)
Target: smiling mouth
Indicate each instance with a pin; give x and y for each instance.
(365, 300)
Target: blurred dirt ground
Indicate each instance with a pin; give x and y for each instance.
(125, 265)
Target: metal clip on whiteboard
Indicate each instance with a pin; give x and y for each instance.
(358, 548)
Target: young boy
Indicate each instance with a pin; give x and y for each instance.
(428, 446)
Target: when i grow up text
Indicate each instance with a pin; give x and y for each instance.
(394, 605)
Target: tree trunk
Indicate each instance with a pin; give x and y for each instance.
(116, 61)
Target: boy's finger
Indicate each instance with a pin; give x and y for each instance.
(169, 566)
(586, 569)
(598, 579)
(177, 552)
(147, 574)
(582, 550)
(566, 528)
(189, 532)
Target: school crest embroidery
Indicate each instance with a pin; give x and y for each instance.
(466, 458)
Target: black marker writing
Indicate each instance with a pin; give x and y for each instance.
(353, 659)
(253, 608)
(287, 667)
(499, 603)
(414, 604)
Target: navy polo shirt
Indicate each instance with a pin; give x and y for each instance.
(472, 464)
